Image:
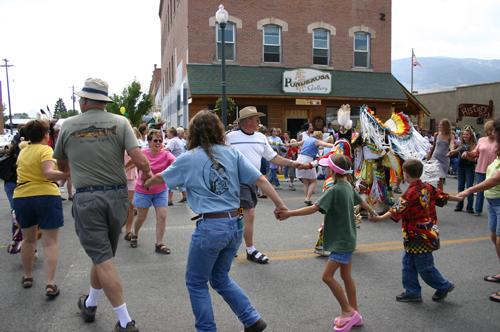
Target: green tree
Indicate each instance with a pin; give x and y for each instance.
(136, 103)
(60, 110)
(230, 107)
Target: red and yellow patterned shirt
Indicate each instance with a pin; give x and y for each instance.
(416, 208)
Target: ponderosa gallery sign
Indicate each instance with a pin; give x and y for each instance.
(307, 81)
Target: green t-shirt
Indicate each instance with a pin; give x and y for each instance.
(94, 143)
(493, 192)
(337, 204)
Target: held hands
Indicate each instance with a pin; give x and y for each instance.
(461, 195)
(298, 165)
(281, 212)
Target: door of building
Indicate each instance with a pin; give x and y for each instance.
(293, 126)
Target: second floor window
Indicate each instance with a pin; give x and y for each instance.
(272, 43)
(229, 42)
(361, 49)
(321, 47)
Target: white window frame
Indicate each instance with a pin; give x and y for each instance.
(368, 49)
(217, 41)
(328, 34)
(264, 43)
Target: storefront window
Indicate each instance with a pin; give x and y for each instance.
(321, 47)
(361, 49)
(229, 42)
(272, 43)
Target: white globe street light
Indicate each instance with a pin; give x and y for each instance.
(222, 16)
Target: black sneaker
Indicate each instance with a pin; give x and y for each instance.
(130, 327)
(403, 297)
(439, 295)
(258, 326)
(88, 313)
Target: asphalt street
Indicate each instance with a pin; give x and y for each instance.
(288, 291)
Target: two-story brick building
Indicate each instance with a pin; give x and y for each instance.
(295, 60)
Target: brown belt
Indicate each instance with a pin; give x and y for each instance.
(216, 215)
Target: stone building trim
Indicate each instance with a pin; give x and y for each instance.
(272, 20)
(362, 28)
(238, 22)
(322, 25)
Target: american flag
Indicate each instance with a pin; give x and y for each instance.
(414, 60)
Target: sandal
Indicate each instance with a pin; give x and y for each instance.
(491, 279)
(128, 236)
(308, 202)
(133, 241)
(27, 282)
(51, 291)
(162, 249)
(495, 297)
(258, 257)
(341, 324)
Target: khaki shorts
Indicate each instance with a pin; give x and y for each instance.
(99, 217)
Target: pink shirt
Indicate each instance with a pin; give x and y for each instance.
(487, 153)
(158, 163)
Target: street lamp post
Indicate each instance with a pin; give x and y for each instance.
(222, 16)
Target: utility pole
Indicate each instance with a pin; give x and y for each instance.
(6, 65)
(73, 97)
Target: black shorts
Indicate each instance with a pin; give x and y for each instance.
(248, 196)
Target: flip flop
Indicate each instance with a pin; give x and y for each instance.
(492, 279)
(495, 297)
(346, 323)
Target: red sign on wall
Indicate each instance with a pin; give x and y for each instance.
(475, 110)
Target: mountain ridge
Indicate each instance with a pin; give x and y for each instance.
(444, 73)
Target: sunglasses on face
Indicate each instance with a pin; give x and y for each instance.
(156, 140)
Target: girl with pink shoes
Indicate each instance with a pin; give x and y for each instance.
(337, 204)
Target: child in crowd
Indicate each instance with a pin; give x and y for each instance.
(291, 153)
(339, 237)
(417, 210)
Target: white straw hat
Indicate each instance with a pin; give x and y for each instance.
(95, 89)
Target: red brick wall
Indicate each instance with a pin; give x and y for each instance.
(296, 42)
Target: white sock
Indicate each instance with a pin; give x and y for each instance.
(251, 249)
(94, 295)
(123, 316)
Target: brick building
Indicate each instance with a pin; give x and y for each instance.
(295, 60)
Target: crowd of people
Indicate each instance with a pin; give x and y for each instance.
(119, 172)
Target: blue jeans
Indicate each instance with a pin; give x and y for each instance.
(466, 180)
(480, 177)
(9, 187)
(273, 177)
(285, 171)
(454, 163)
(423, 265)
(213, 245)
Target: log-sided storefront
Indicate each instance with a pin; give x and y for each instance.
(290, 97)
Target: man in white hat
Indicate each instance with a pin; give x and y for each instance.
(93, 145)
(254, 146)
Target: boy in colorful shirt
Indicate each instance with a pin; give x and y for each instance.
(416, 208)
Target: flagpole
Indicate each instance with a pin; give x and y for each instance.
(411, 62)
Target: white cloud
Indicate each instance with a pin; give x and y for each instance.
(55, 44)
(453, 28)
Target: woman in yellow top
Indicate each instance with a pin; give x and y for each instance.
(491, 188)
(37, 202)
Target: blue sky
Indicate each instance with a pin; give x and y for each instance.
(55, 44)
